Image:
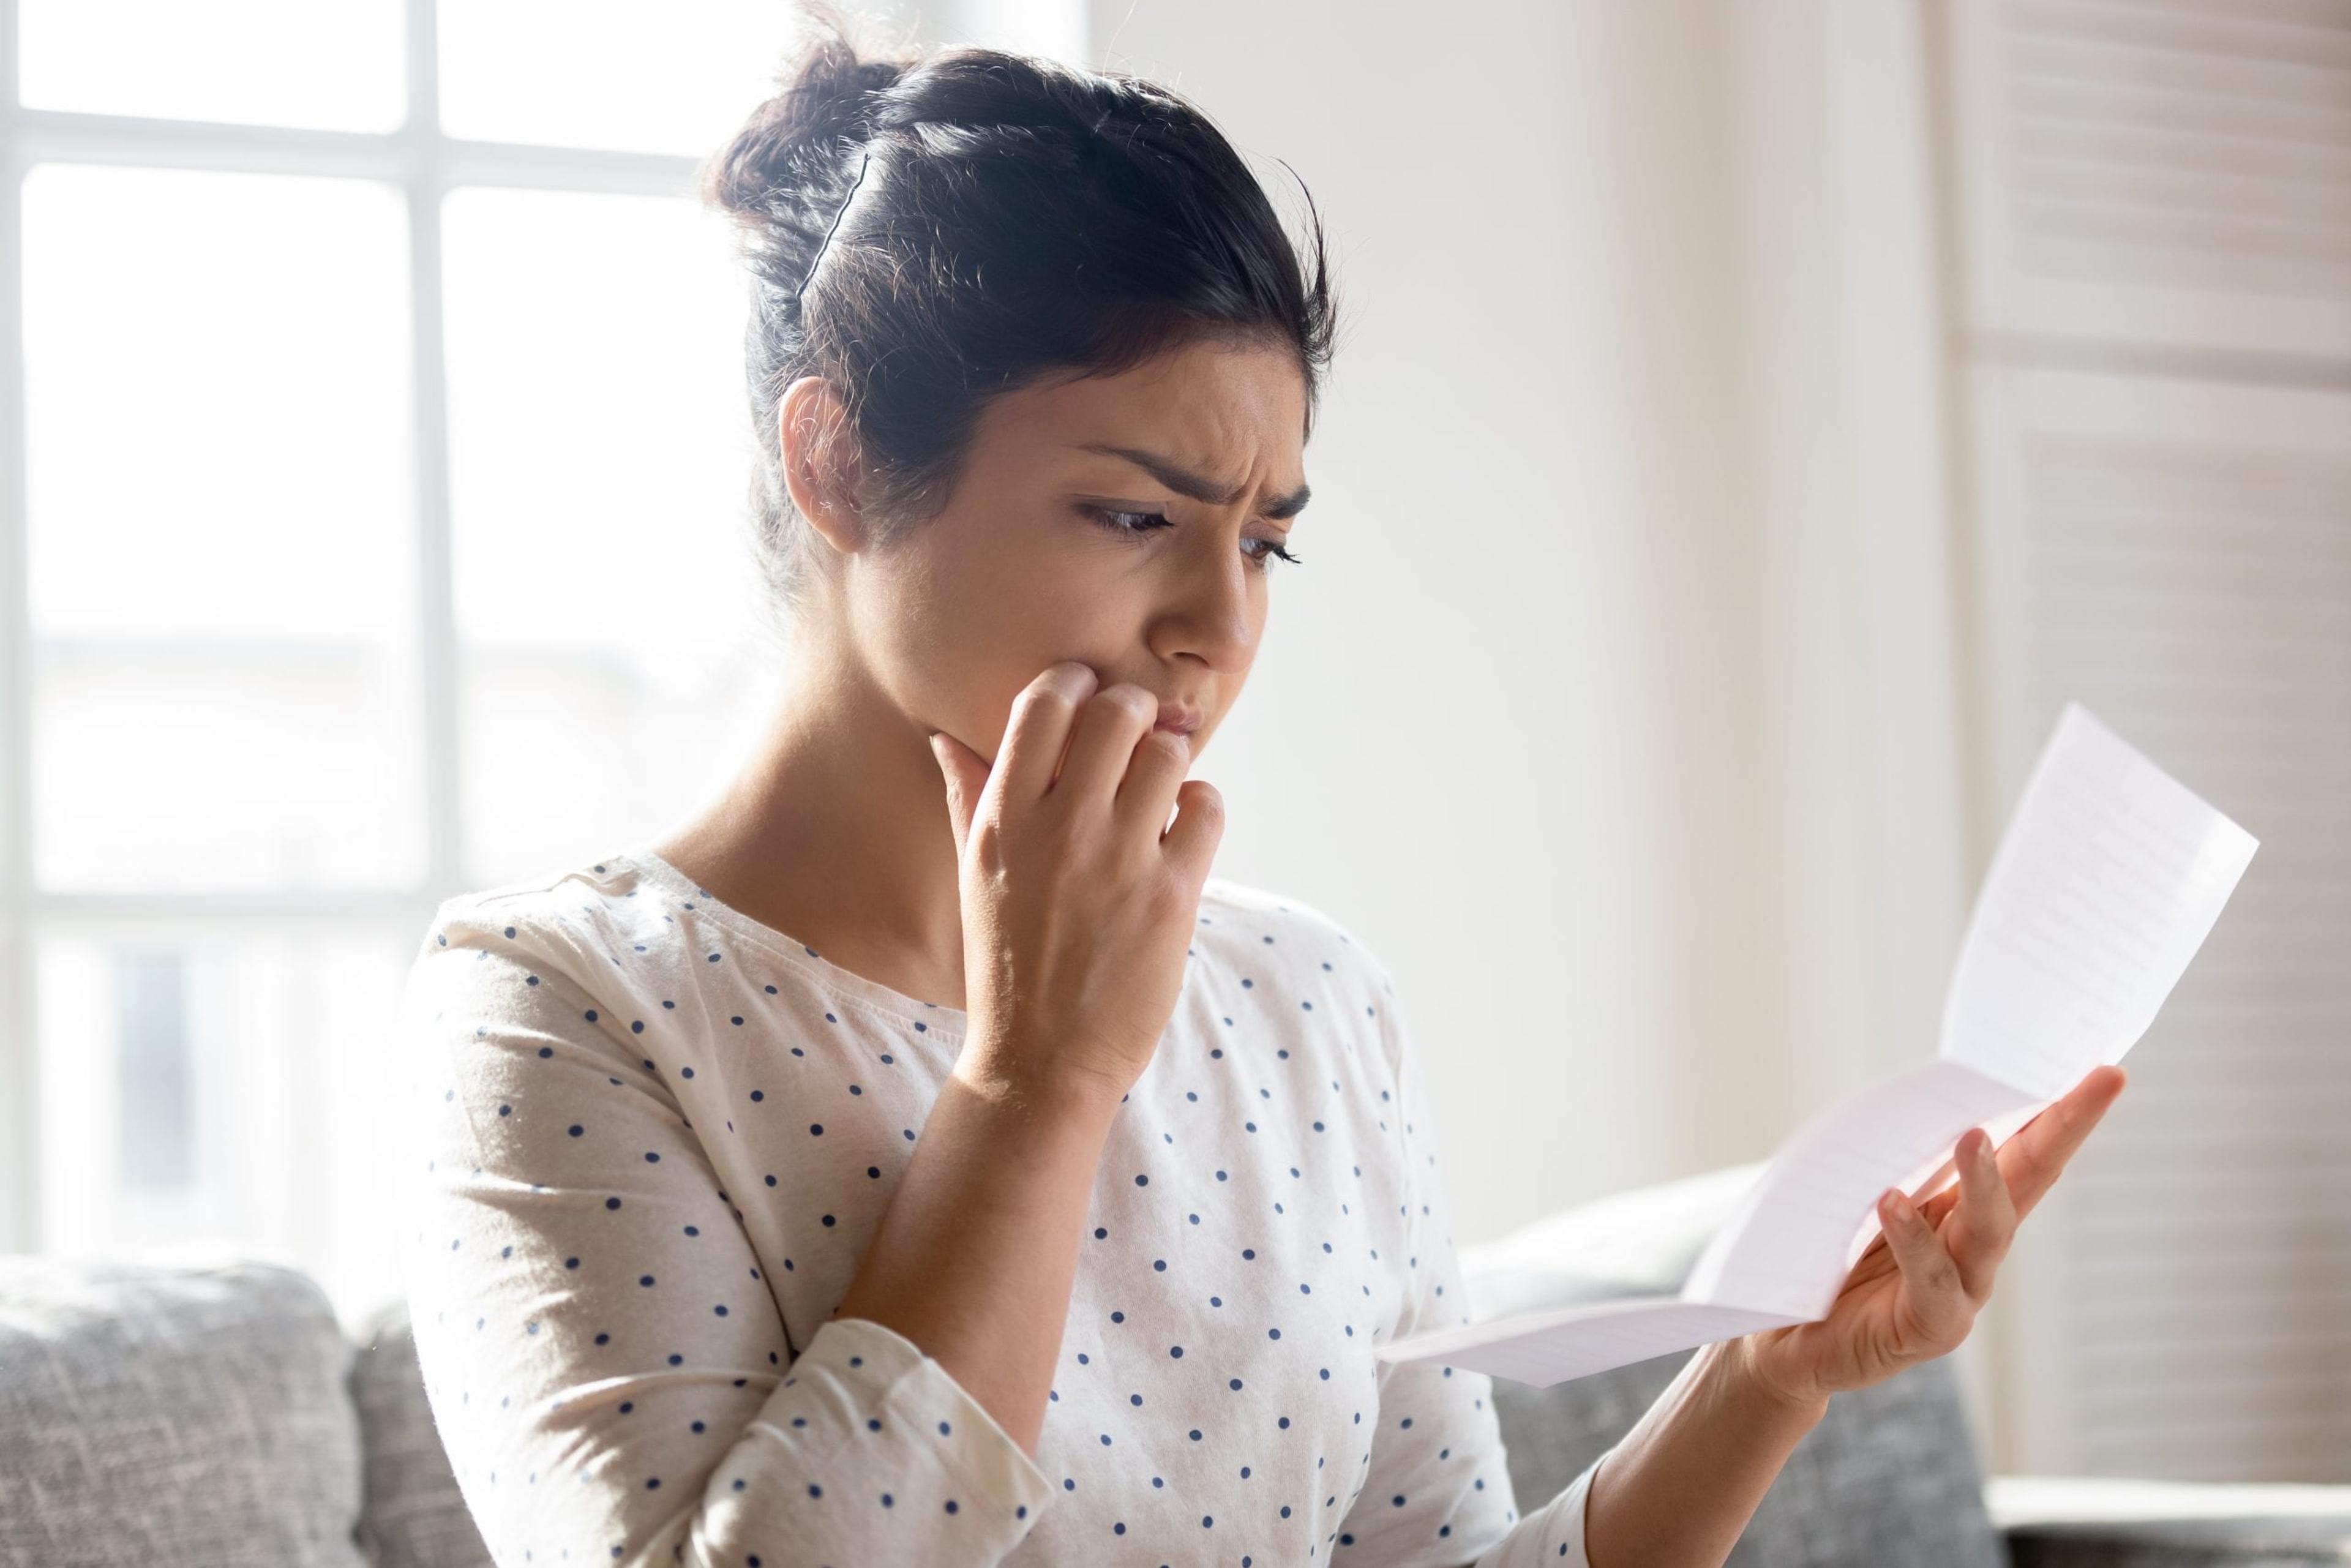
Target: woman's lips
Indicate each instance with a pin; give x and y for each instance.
(1182, 720)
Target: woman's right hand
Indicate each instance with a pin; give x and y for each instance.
(1078, 910)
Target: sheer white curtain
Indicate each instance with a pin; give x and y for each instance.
(2155, 206)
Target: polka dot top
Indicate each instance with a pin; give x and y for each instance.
(650, 1137)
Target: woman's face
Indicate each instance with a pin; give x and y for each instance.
(1128, 522)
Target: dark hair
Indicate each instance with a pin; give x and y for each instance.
(1017, 217)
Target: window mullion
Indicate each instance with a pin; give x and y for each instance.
(435, 583)
(19, 1058)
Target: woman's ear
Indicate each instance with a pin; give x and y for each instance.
(821, 465)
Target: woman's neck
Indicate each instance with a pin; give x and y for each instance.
(835, 833)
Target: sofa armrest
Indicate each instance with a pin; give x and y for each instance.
(2102, 1523)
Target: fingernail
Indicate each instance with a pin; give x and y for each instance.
(1896, 1207)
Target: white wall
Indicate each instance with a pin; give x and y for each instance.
(1467, 739)
(1573, 716)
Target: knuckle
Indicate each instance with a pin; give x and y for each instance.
(986, 851)
(1927, 1259)
(987, 830)
(1034, 713)
(1131, 697)
(1047, 692)
(1943, 1273)
(1172, 902)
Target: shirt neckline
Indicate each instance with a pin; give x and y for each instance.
(936, 1017)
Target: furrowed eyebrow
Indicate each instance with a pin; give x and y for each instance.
(1198, 486)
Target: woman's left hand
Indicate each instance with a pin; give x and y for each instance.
(1914, 1293)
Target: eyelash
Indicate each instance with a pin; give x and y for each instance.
(1103, 516)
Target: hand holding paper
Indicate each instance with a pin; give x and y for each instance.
(2108, 879)
(1915, 1292)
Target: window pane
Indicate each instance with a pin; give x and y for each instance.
(679, 78)
(337, 66)
(203, 766)
(218, 1095)
(613, 663)
(222, 589)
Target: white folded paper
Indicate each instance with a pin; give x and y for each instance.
(2108, 879)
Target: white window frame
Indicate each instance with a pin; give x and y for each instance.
(424, 165)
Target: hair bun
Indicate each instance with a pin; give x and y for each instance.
(787, 158)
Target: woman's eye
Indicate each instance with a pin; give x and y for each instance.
(1127, 522)
(1271, 553)
(1133, 525)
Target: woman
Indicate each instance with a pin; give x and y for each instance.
(1039, 1197)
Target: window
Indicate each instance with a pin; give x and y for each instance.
(372, 465)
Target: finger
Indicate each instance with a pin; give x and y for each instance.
(1147, 794)
(1937, 1205)
(1108, 726)
(1938, 1192)
(965, 772)
(1039, 728)
(1985, 1221)
(2031, 1161)
(2020, 1166)
(1938, 1301)
(1191, 844)
(1930, 1197)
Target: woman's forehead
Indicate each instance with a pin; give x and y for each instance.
(1220, 414)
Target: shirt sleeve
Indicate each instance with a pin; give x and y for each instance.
(609, 1371)
(1438, 1493)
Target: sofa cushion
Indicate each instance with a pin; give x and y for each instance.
(414, 1516)
(150, 1415)
(1888, 1479)
(1644, 1242)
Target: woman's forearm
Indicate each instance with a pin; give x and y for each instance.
(1681, 1486)
(976, 1256)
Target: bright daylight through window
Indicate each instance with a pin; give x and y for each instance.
(409, 316)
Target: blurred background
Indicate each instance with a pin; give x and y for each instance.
(1753, 420)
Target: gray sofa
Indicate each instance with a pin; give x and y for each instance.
(219, 1417)
(195, 1417)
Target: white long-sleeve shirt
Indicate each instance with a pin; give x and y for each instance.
(654, 1136)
